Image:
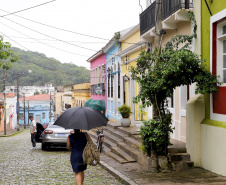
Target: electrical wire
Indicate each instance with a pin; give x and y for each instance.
(50, 36)
(57, 27)
(44, 67)
(45, 43)
(64, 29)
(27, 8)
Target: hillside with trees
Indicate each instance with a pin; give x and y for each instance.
(44, 70)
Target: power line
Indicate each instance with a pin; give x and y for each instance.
(44, 67)
(28, 8)
(57, 27)
(45, 43)
(50, 36)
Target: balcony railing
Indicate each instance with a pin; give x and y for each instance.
(147, 17)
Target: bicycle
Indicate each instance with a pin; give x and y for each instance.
(100, 139)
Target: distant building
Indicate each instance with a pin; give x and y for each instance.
(11, 114)
(67, 99)
(37, 106)
(80, 94)
(31, 90)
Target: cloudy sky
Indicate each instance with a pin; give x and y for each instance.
(97, 19)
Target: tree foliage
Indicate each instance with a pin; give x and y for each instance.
(62, 73)
(160, 72)
(7, 56)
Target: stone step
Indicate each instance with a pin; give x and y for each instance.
(180, 166)
(122, 154)
(177, 157)
(172, 149)
(116, 157)
(107, 142)
(116, 133)
(133, 143)
(114, 125)
(139, 157)
(111, 137)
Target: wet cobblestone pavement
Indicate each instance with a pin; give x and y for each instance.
(21, 165)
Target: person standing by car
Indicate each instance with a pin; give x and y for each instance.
(33, 131)
(76, 143)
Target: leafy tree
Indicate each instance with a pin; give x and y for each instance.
(158, 74)
(36, 93)
(7, 56)
(45, 70)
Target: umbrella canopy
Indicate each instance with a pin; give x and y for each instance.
(84, 118)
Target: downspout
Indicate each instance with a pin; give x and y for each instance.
(208, 8)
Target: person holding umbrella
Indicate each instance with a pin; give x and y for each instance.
(80, 118)
(76, 144)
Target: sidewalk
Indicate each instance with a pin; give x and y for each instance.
(133, 174)
(13, 131)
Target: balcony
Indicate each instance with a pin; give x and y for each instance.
(169, 7)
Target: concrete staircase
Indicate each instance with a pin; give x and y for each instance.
(123, 145)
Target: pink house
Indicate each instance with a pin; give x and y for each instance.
(98, 77)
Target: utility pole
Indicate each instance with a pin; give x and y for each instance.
(158, 37)
(4, 103)
(24, 114)
(28, 112)
(50, 107)
(18, 117)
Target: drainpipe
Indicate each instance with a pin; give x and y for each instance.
(208, 8)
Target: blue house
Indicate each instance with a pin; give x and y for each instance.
(113, 77)
(37, 106)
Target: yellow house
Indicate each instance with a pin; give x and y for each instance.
(80, 94)
(132, 45)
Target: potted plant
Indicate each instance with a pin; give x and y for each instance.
(125, 111)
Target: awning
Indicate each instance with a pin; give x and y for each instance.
(96, 104)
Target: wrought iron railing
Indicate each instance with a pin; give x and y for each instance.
(147, 17)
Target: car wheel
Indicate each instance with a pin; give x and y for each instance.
(44, 147)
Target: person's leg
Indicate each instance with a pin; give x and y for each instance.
(79, 178)
(83, 176)
(33, 140)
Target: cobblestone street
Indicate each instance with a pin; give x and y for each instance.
(21, 165)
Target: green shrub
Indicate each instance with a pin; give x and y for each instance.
(125, 111)
(155, 135)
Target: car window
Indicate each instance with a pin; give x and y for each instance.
(54, 126)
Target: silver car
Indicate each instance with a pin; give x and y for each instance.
(55, 135)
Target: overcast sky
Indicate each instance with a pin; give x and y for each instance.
(98, 18)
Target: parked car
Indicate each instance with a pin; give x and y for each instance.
(55, 135)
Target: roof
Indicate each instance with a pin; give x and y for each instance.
(39, 97)
(8, 95)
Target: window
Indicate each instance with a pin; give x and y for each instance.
(109, 85)
(224, 61)
(43, 115)
(118, 80)
(112, 84)
(218, 61)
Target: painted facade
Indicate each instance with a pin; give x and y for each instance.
(58, 103)
(209, 131)
(80, 94)
(113, 69)
(37, 106)
(131, 48)
(98, 76)
(175, 21)
(67, 99)
(11, 114)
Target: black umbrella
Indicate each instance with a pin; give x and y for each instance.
(84, 118)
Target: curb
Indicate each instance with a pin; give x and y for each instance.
(17, 132)
(117, 174)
